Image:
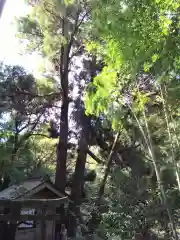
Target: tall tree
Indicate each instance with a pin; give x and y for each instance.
(23, 111)
(54, 29)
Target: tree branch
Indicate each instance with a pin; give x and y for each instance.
(28, 134)
(40, 134)
(91, 154)
(55, 94)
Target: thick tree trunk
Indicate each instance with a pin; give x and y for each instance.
(62, 147)
(78, 180)
(77, 188)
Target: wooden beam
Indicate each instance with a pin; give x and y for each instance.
(43, 225)
(29, 217)
(34, 203)
(15, 211)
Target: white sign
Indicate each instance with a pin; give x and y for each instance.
(27, 224)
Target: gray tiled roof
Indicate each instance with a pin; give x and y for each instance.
(18, 190)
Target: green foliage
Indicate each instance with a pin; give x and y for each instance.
(35, 154)
(134, 203)
(137, 36)
(42, 29)
(39, 28)
(138, 43)
(25, 106)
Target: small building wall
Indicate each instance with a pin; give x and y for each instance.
(35, 233)
(27, 234)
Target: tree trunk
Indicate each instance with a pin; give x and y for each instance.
(62, 147)
(60, 180)
(77, 188)
(78, 179)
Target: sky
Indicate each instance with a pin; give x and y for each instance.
(10, 46)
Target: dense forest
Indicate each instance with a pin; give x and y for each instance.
(103, 119)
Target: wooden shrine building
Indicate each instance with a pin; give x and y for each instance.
(37, 199)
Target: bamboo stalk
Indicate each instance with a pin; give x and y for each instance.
(109, 162)
(160, 184)
(149, 145)
(170, 139)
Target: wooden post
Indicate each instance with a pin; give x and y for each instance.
(43, 224)
(4, 224)
(15, 211)
(15, 214)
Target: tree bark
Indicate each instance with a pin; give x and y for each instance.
(78, 179)
(62, 147)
